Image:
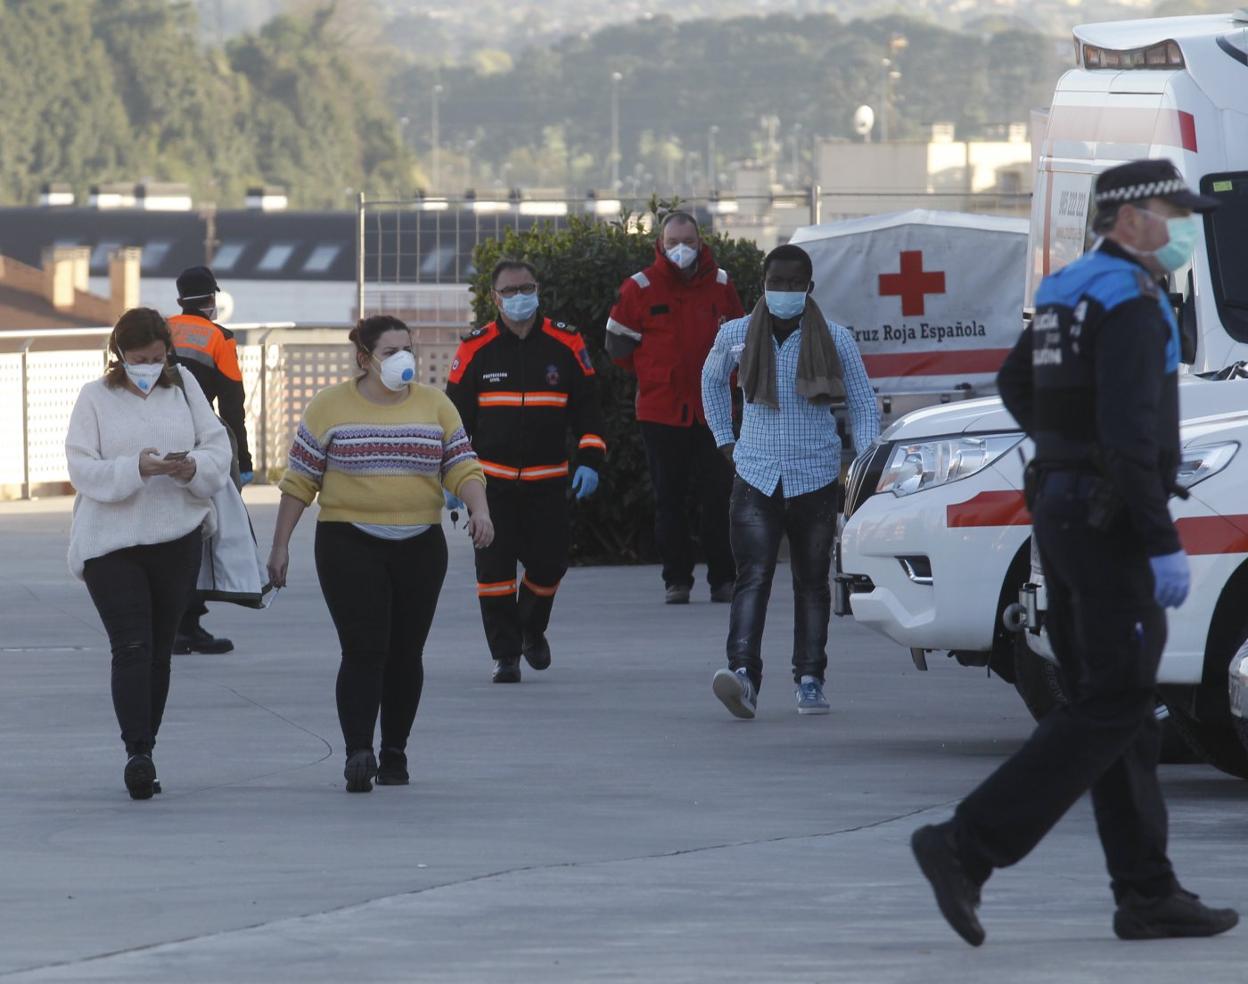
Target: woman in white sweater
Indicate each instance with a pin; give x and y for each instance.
(146, 453)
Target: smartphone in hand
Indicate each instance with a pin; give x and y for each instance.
(176, 455)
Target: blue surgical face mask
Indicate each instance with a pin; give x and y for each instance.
(520, 307)
(785, 304)
(1184, 233)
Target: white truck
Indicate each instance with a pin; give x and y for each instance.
(935, 547)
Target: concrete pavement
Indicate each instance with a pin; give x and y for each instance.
(604, 821)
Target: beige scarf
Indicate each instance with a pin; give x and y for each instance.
(820, 378)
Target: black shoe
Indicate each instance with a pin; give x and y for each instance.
(140, 776)
(507, 671)
(536, 652)
(201, 641)
(1180, 914)
(721, 594)
(361, 767)
(956, 894)
(156, 790)
(392, 770)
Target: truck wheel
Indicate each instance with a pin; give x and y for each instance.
(1220, 745)
(1037, 681)
(1042, 688)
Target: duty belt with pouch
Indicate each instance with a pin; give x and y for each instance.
(1106, 508)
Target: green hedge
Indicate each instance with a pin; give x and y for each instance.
(581, 267)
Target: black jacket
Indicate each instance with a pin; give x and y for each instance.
(518, 397)
(1093, 381)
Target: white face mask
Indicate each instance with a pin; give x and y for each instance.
(682, 255)
(145, 375)
(398, 370)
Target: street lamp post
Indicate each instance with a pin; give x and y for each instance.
(435, 156)
(616, 77)
(712, 172)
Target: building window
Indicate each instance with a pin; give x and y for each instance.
(99, 255)
(275, 258)
(226, 256)
(154, 254)
(322, 258)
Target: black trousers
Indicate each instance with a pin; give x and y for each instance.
(140, 593)
(758, 522)
(681, 457)
(1108, 635)
(531, 528)
(382, 595)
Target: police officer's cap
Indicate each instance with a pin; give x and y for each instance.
(1138, 180)
(196, 281)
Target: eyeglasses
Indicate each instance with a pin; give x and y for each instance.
(518, 289)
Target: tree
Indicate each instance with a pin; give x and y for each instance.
(581, 268)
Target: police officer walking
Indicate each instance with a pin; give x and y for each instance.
(209, 351)
(519, 383)
(1093, 382)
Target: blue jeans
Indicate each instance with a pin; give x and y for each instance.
(757, 523)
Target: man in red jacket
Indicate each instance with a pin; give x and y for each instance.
(662, 328)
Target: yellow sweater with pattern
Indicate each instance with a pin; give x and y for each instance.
(375, 463)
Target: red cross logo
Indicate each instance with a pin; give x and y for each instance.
(912, 285)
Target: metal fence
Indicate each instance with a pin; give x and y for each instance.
(283, 366)
(429, 242)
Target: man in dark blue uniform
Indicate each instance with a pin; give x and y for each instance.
(1093, 382)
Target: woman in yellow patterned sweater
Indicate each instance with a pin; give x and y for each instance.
(378, 451)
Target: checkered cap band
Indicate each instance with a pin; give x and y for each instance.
(1132, 193)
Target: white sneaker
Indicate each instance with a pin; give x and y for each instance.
(736, 692)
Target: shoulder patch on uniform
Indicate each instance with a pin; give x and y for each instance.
(641, 279)
(565, 327)
(721, 276)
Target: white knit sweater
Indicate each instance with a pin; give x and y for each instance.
(116, 506)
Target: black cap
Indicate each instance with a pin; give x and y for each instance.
(196, 281)
(1137, 180)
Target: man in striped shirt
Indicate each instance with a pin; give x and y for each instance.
(792, 365)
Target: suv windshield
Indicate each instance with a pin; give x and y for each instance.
(1226, 231)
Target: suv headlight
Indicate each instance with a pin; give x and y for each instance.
(926, 464)
(1197, 464)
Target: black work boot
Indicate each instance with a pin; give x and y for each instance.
(392, 768)
(1178, 914)
(536, 651)
(359, 771)
(140, 776)
(956, 892)
(200, 640)
(507, 671)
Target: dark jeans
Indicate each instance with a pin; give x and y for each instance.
(532, 528)
(140, 593)
(382, 595)
(680, 457)
(758, 522)
(1108, 635)
(196, 609)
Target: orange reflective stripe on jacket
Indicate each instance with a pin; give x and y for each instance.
(535, 473)
(500, 398)
(202, 341)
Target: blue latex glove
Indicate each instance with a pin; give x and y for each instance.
(453, 502)
(585, 482)
(247, 477)
(1171, 579)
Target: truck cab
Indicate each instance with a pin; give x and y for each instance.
(935, 546)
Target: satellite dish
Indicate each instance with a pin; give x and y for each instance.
(864, 120)
(225, 306)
